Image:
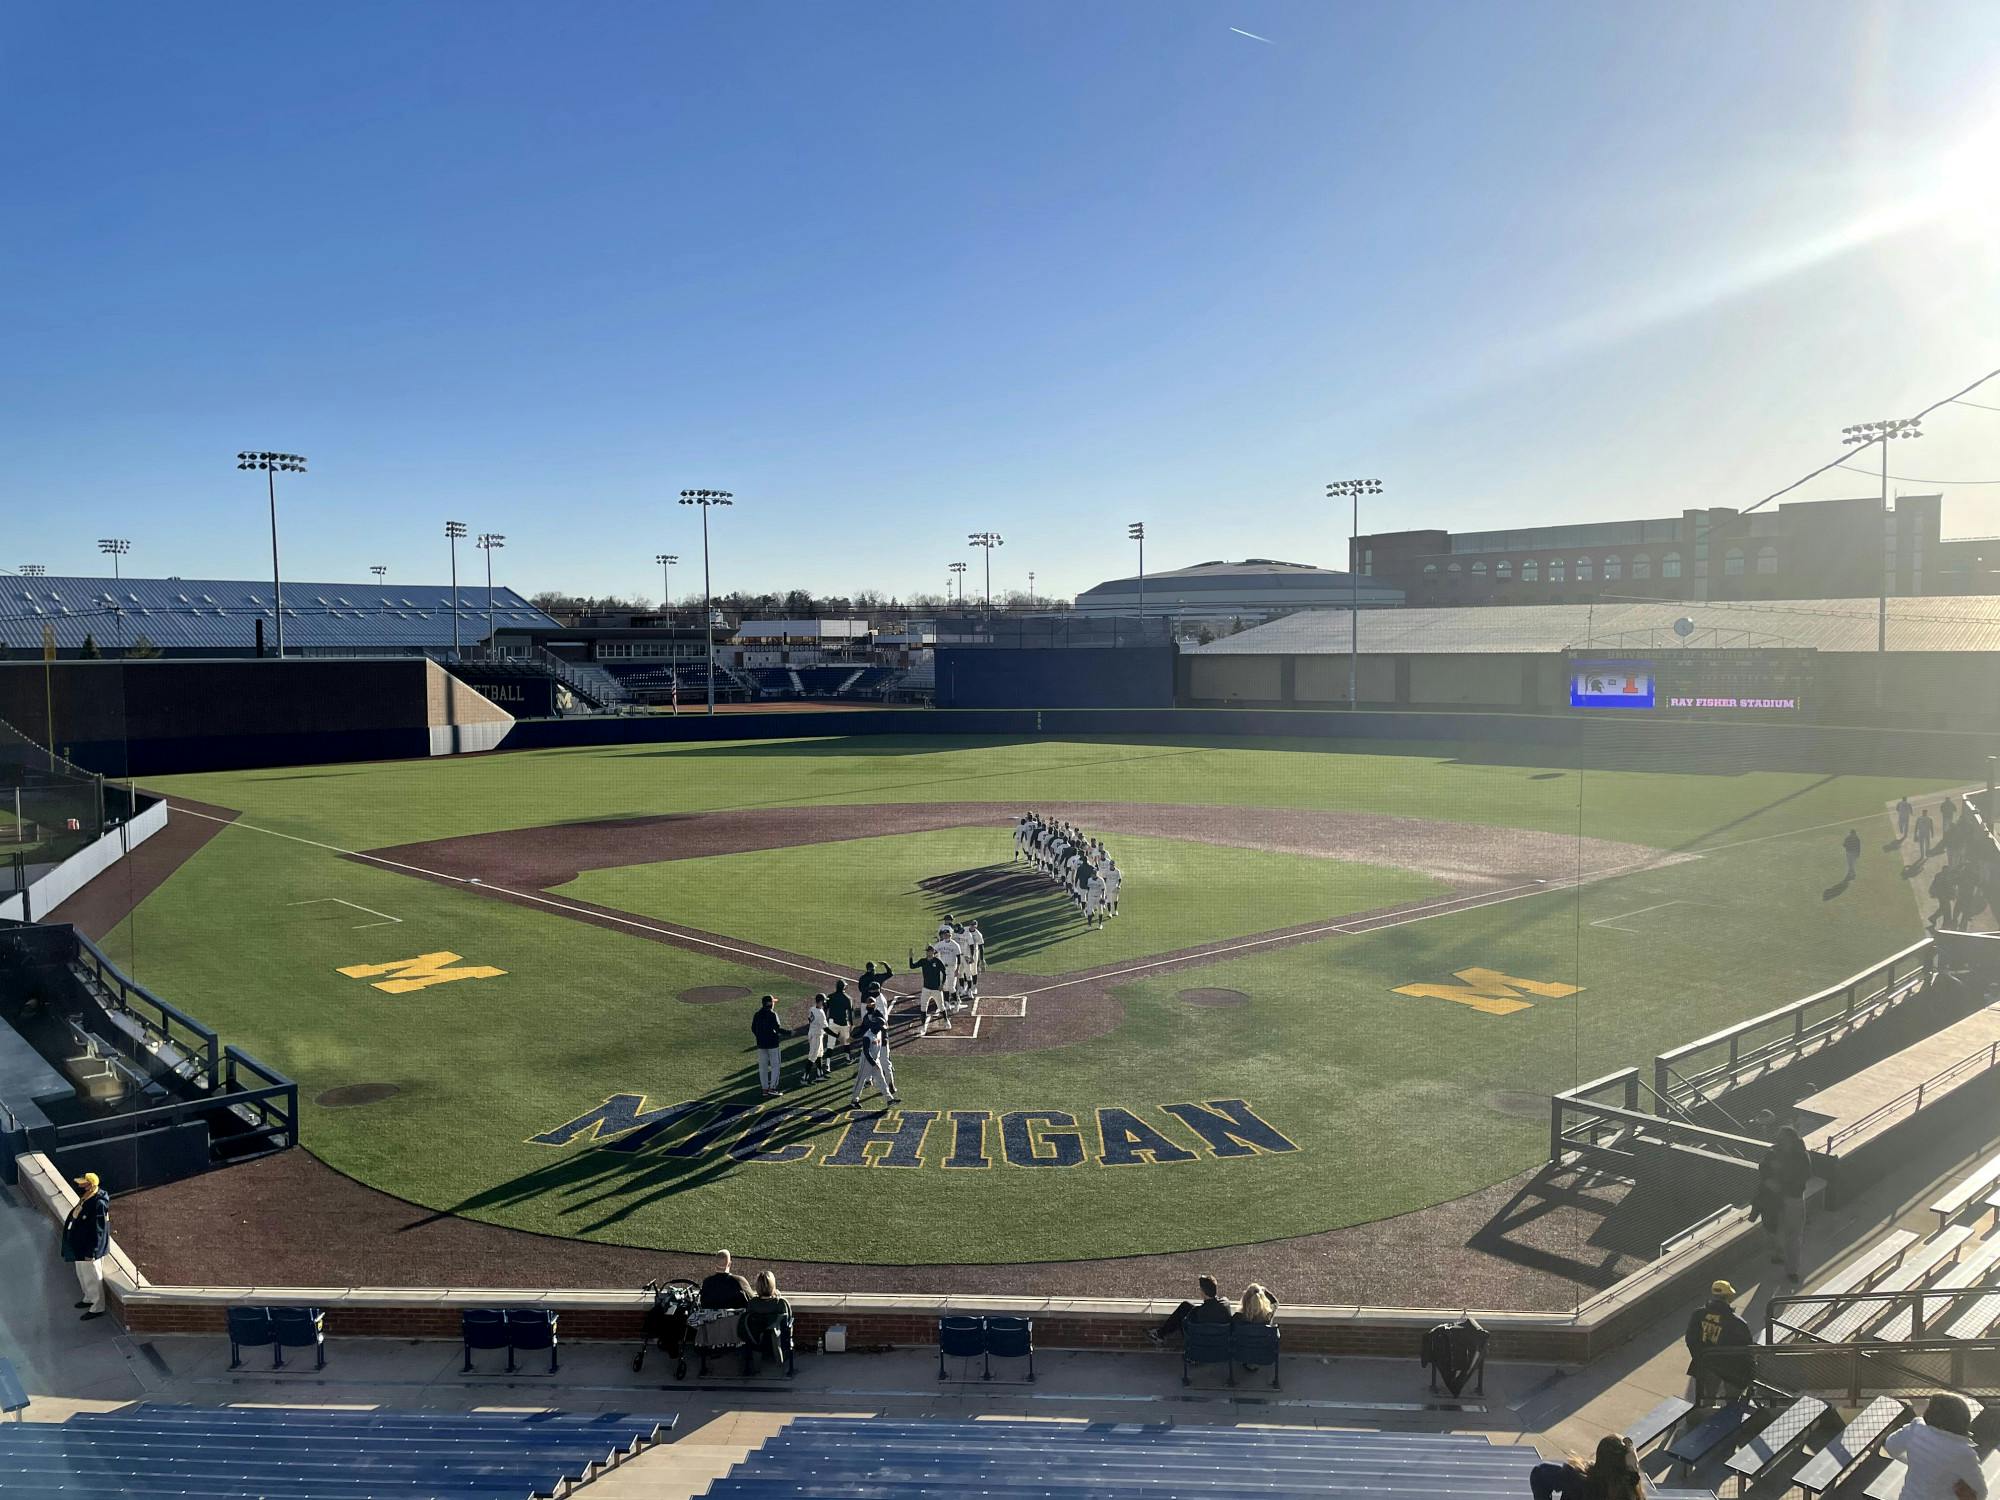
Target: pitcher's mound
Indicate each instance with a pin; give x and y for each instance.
(1214, 997)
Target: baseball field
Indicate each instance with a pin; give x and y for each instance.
(1343, 982)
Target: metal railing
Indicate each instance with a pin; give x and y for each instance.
(267, 1108)
(1913, 1100)
(1580, 1120)
(1776, 1036)
(156, 1018)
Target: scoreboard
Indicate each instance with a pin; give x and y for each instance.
(1711, 684)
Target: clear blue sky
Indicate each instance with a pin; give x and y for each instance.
(894, 272)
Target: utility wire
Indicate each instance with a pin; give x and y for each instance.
(1907, 479)
(1842, 460)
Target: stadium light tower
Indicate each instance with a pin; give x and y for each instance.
(274, 464)
(381, 572)
(957, 570)
(1860, 437)
(34, 570)
(986, 540)
(666, 560)
(1137, 532)
(707, 500)
(1031, 588)
(489, 543)
(1353, 489)
(116, 547)
(453, 530)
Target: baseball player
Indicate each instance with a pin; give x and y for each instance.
(879, 1009)
(840, 1017)
(816, 1028)
(933, 969)
(975, 964)
(1093, 899)
(949, 951)
(872, 1071)
(1112, 880)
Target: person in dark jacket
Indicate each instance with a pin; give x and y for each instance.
(1851, 847)
(86, 1240)
(932, 967)
(1213, 1308)
(840, 1021)
(1782, 1176)
(767, 1322)
(770, 1033)
(722, 1287)
(1718, 1345)
(1612, 1474)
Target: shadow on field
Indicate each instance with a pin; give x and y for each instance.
(600, 1183)
(1021, 911)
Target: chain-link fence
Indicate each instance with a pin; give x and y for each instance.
(49, 809)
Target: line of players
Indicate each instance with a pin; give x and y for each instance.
(949, 970)
(1077, 862)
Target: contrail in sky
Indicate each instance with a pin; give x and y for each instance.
(1253, 36)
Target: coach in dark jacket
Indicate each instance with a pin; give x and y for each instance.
(770, 1033)
(86, 1240)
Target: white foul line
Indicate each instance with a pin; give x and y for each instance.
(548, 901)
(356, 905)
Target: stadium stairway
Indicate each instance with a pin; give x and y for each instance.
(314, 1453)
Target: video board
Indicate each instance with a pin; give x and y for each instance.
(1763, 683)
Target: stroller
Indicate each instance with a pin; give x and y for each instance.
(674, 1303)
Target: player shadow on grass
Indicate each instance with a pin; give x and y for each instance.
(617, 1178)
(1021, 911)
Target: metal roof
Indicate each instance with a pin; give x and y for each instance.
(184, 613)
(1939, 622)
(1251, 573)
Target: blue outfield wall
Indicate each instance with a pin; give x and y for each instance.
(1068, 677)
(1549, 739)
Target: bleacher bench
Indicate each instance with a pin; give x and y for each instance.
(1658, 1423)
(1972, 1189)
(1781, 1436)
(1883, 1257)
(1718, 1427)
(1856, 1441)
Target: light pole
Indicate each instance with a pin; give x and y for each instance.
(274, 464)
(116, 547)
(489, 543)
(666, 560)
(957, 571)
(1353, 489)
(381, 572)
(1860, 437)
(453, 530)
(1031, 588)
(987, 540)
(707, 500)
(1137, 532)
(34, 570)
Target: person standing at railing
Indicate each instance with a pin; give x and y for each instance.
(1718, 1343)
(86, 1240)
(1781, 1184)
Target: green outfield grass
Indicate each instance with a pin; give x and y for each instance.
(881, 899)
(1392, 1102)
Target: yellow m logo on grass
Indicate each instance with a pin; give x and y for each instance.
(1488, 990)
(418, 973)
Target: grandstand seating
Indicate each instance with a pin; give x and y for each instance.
(832, 1458)
(313, 1454)
(1970, 1190)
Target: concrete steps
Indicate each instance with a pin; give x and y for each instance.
(684, 1470)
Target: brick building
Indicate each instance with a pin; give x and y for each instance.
(1812, 549)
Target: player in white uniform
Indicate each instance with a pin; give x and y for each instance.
(1112, 880)
(949, 951)
(975, 963)
(872, 1071)
(816, 1029)
(1093, 902)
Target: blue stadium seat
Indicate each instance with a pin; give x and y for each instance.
(895, 1459)
(1255, 1345)
(960, 1338)
(297, 1328)
(483, 1328)
(1010, 1338)
(1206, 1344)
(249, 1328)
(530, 1329)
(309, 1454)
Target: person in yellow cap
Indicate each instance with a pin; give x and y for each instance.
(86, 1240)
(1718, 1343)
